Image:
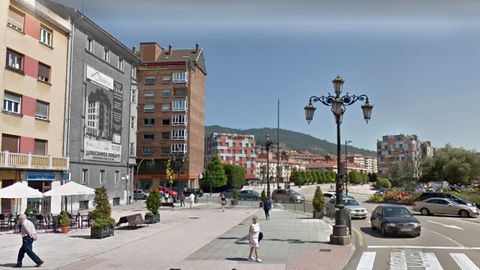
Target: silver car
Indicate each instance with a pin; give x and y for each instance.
(354, 208)
(443, 206)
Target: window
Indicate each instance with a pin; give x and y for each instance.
(102, 176)
(134, 96)
(179, 77)
(106, 54)
(85, 176)
(14, 60)
(181, 92)
(42, 110)
(166, 78)
(132, 122)
(43, 72)
(179, 148)
(179, 134)
(45, 36)
(165, 150)
(148, 150)
(179, 119)
(90, 44)
(12, 102)
(166, 93)
(120, 63)
(15, 20)
(132, 149)
(83, 205)
(149, 80)
(116, 201)
(116, 176)
(149, 94)
(165, 107)
(179, 105)
(166, 122)
(134, 72)
(148, 122)
(148, 136)
(165, 135)
(149, 107)
(10, 143)
(40, 147)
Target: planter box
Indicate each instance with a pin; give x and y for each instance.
(154, 219)
(317, 214)
(101, 232)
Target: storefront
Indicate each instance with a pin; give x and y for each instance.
(7, 178)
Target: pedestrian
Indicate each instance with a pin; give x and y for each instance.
(253, 237)
(192, 200)
(167, 196)
(267, 205)
(29, 234)
(223, 201)
(182, 199)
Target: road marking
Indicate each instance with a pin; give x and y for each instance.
(360, 236)
(424, 247)
(445, 225)
(398, 260)
(463, 261)
(366, 261)
(446, 237)
(431, 261)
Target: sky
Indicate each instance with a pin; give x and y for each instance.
(418, 61)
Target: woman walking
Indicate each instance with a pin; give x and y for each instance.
(253, 237)
(223, 202)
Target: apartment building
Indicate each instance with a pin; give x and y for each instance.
(402, 148)
(100, 119)
(366, 163)
(34, 45)
(237, 149)
(285, 166)
(171, 117)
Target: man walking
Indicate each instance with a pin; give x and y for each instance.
(267, 205)
(29, 234)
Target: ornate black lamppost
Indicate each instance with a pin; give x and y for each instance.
(267, 145)
(338, 106)
(178, 159)
(346, 166)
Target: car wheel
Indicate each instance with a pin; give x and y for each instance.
(424, 212)
(372, 226)
(384, 232)
(464, 214)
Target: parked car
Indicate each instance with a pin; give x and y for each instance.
(446, 195)
(139, 194)
(172, 193)
(249, 195)
(381, 191)
(287, 195)
(443, 206)
(197, 191)
(395, 220)
(229, 192)
(354, 208)
(328, 195)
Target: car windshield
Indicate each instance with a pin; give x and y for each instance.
(350, 202)
(458, 200)
(293, 192)
(396, 212)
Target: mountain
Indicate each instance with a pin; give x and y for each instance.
(292, 140)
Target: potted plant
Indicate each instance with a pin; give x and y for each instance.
(234, 200)
(153, 203)
(102, 221)
(318, 203)
(64, 222)
(263, 197)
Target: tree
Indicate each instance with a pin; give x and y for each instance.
(372, 177)
(454, 165)
(318, 200)
(296, 177)
(170, 173)
(153, 201)
(102, 215)
(235, 176)
(355, 177)
(263, 196)
(402, 174)
(383, 183)
(214, 176)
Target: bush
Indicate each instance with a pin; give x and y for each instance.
(263, 196)
(383, 183)
(149, 215)
(153, 201)
(318, 201)
(376, 198)
(410, 199)
(64, 219)
(102, 215)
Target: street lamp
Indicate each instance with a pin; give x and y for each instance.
(138, 168)
(268, 143)
(178, 160)
(338, 106)
(346, 166)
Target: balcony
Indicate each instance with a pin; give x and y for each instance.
(29, 161)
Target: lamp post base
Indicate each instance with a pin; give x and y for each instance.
(342, 240)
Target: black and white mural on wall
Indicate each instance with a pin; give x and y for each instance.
(103, 117)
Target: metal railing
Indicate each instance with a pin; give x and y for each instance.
(29, 161)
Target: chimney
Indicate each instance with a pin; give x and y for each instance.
(170, 49)
(197, 47)
(134, 50)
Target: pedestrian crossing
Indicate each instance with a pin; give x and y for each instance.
(407, 259)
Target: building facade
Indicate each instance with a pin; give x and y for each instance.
(34, 52)
(402, 148)
(237, 149)
(100, 116)
(171, 118)
(285, 166)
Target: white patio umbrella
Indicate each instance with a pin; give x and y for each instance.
(70, 189)
(19, 191)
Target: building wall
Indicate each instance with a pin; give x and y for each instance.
(196, 127)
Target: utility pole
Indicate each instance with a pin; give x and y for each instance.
(278, 145)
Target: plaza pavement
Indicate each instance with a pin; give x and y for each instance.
(202, 238)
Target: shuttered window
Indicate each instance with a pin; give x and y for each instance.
(43, 72)
(42, 110)
(10, 143)
(15, 20)
(41, 147)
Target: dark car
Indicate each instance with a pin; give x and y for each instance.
(248, 195)
(197, 191)
(394, 220)
(287, 195)
(445, 195)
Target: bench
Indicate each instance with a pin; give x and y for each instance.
(132, 220)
